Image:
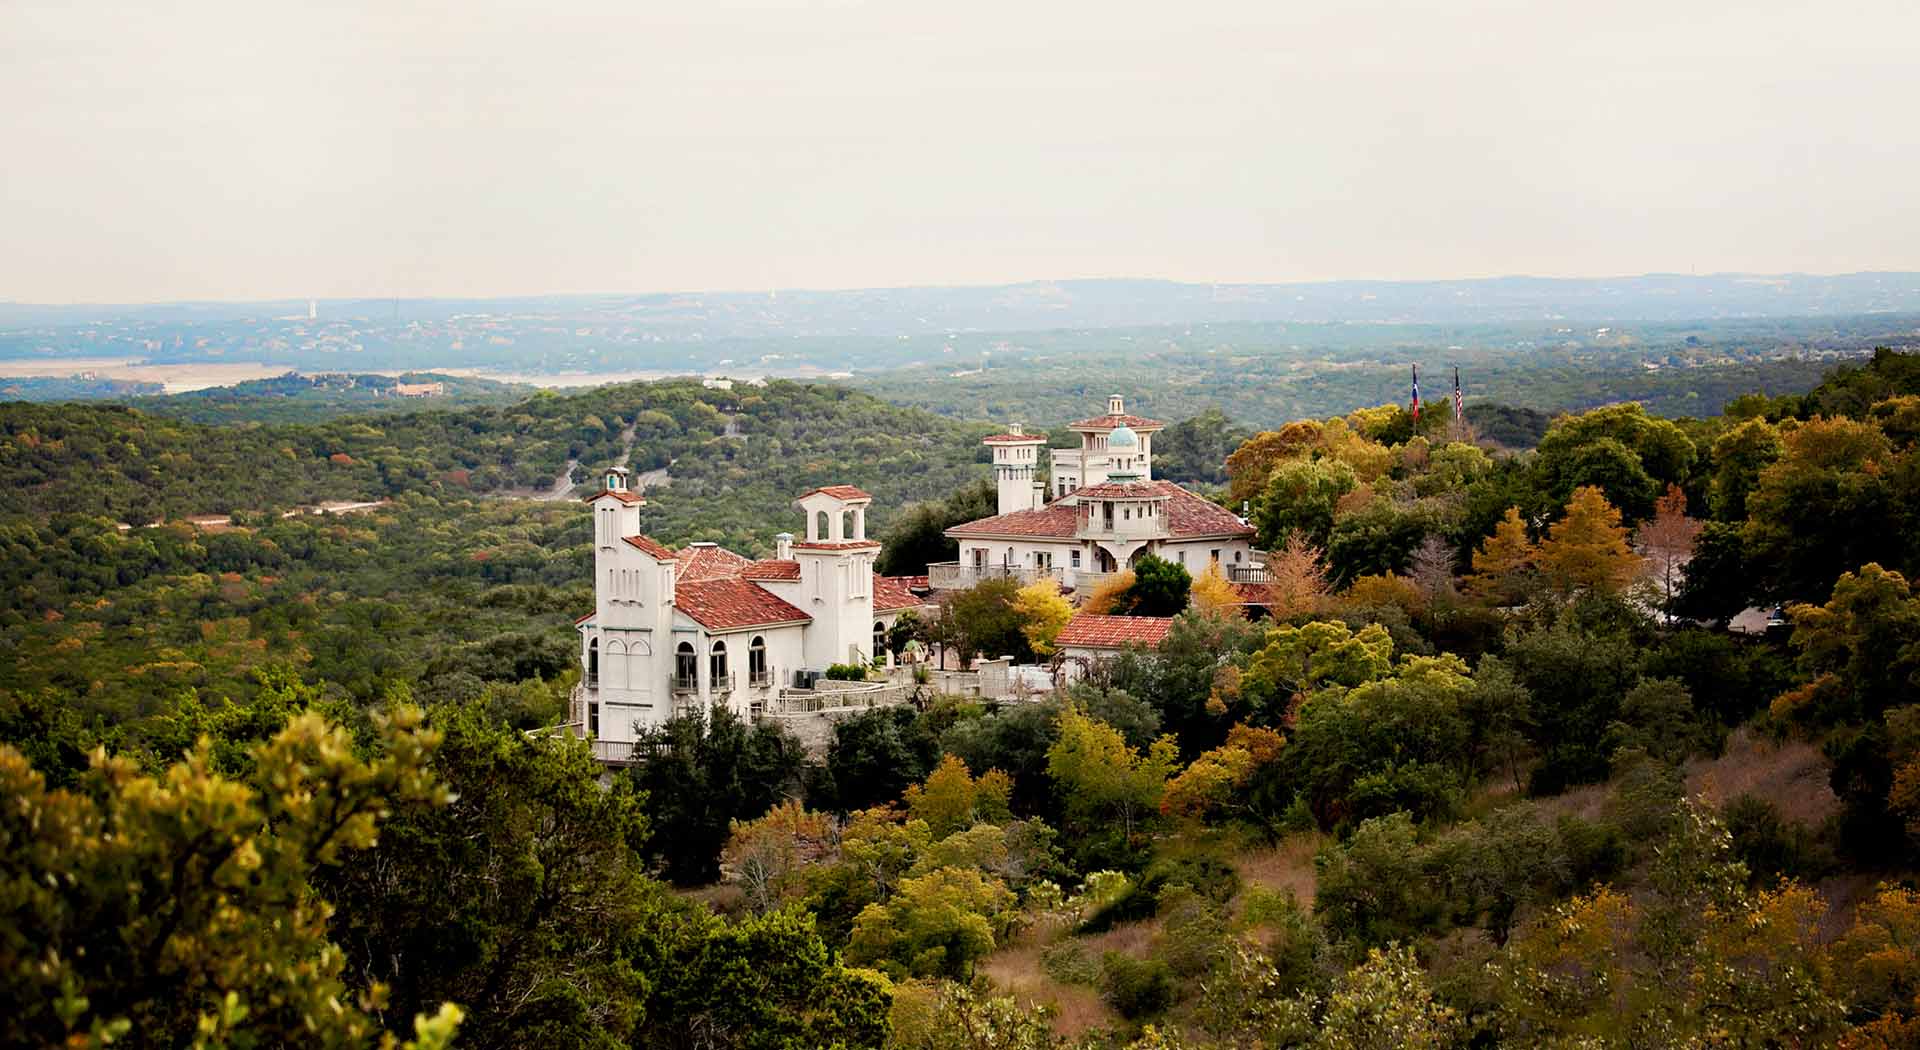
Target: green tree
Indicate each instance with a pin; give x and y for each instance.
(705, 772)
(174, 909)
(1862, 647)
(766, 982)
(514, 898)
(1196, 449)
(1102, 779)
(1386, 1003)
(1620, 449)
(936, 925)
(917, 535)
(1299, 496)
(1739, 455)
(988, 621)
(1160, 588)
(873, 757)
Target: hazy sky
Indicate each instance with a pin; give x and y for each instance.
(201, 149)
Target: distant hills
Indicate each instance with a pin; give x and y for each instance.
(885, 312)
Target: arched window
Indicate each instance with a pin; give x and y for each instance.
(685, 666)
(879, 639)
(617, 666)
(593, 664)
(717, 668)
(757, 661)
(820, 527)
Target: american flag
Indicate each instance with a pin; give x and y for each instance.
(1415, 409)
(1459, 403)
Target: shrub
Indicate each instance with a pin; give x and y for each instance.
(1193, 937)
(1771, 847)
(1135, 988)
(847, 672)
(1069, 962)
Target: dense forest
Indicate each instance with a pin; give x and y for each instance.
(732, 459)
(1480, 765)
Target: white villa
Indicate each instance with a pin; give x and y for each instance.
(673, 631)
(1106, 512)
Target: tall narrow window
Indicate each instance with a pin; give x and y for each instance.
(722, 682)
(593, 664)
(685, 666)
(879, 639)
(757, 661)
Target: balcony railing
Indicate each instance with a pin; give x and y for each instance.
(592, 682)
(687, 684)
(953, 575)
(722, 683)
(1248, 574)
(760, 679)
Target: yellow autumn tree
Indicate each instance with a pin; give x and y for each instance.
(1389, 590)
(1503, 563)
(1212, 593)
(1106, 594)
(952, 799)
(1587, 549)
(1043, 611)
(1214, 781)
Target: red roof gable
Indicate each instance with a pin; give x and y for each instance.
(1056, 520)
(1091, 631)
(839, 492)
(1110, 421)
(896, 592)
(704, 562)
(1014, 439)
(721, 605)
(624, 497)
(583, 619)
(770, 569)
(651, 546)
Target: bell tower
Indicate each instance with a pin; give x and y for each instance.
(1016, 457)
(836, 575)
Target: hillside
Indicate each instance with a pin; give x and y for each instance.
(734, 458)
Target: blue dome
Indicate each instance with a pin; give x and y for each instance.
(1123, 437)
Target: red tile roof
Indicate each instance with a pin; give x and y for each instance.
(624, 497)
(848, 545)
(840, 492)
(770, 569)
(1015, 439)
(1191, 515)
(1110, 421)
(1091, 631)
(1055, 520)
(896, 592)
(583, 619)
(1122, 490)
(651, 546)
(708, 562)
(720, 605)
(1187, 516)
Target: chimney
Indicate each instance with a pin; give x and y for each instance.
(1015, 429)
(783, 546)
(1115, 406)
(1039, 495)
